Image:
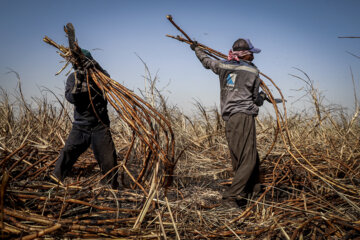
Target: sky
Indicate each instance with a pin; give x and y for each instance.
(291, 34)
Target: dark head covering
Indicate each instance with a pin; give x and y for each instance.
(244, 45)
(87, 53)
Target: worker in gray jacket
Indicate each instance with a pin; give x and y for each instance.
(240, 101)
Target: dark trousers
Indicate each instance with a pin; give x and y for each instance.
(79, 139)
(241, 137)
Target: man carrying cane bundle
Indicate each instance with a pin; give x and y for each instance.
(240, 101)
(90, 126)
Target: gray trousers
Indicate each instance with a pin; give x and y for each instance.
(241, 137)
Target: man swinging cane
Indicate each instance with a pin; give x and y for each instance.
(240, 102)
(90, 126)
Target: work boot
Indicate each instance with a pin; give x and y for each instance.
(229, 203)
(242, 199)
(113, 183)
(238, 201)
(257, 191)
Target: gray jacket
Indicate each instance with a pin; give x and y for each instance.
(239, 84)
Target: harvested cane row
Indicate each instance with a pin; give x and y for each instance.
(297, 204)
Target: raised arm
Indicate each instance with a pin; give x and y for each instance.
(207, 61)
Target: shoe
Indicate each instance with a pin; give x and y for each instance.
(241, 200)
(229, 203)
(257, 191)
(113, 184)
(56, 179)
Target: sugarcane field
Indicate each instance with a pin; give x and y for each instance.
(92, 154)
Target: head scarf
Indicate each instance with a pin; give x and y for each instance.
(236, 55)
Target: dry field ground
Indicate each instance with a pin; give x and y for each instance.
(311, 178)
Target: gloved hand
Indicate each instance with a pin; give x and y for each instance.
(193, 45)
(263, 96)
(259, 101)
(279, 100)
(89, 63)
(92, 63)
(80, 84)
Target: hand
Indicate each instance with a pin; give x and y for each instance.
(276, 100)
(89, 63)
(193, 45)
(92, 63)
(80, 84)
(279, 100)
(263, 96)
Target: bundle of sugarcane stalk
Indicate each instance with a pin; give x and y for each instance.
(148, 125)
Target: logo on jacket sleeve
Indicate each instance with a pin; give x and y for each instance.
(231, 79)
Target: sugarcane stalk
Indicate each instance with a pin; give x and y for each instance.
(31, 166)
(12, 154)
(169, 17)
(4, 183)
(42, 232)
(202, 46)
(33, 217)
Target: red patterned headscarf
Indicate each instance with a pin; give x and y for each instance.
(236, 55)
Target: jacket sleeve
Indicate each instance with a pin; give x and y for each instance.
(258, 99)
(206, 61)
(76, 88)
(106, 73)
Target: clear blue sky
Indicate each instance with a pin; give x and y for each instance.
(302, 34)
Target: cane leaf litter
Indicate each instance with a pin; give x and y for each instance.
(172, 189)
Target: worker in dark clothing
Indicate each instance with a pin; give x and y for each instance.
(240, 101)
(90, 127)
